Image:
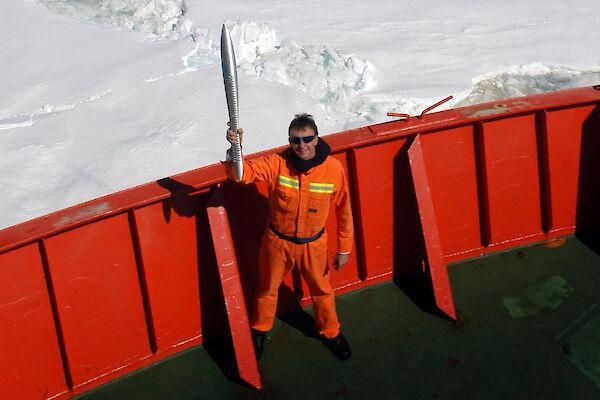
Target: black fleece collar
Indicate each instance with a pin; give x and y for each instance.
(322, 150)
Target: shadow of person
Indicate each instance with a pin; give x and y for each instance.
(180, 200)
(186, 201)
(302, 321)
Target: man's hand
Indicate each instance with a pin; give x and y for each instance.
(232, 138)
(340, 260)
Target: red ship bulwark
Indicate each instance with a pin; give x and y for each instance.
(93, 292)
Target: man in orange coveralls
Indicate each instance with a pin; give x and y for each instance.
(303, 181)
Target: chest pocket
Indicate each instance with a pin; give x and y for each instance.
(320, 199)
(286, 194)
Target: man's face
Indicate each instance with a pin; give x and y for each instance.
(305, 151)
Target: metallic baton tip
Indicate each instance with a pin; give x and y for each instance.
(228, 62)
(228, 65)
(225, 31)
(225, 38)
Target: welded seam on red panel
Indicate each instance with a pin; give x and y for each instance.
(482, 185)
(357, 215)
(526, 240)
(381, 276)
(346, 286)
(139, 262)
(112, 374)
(67, 394)
(541, 130)
(55, 315)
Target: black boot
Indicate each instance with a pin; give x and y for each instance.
(339, 346)
(258, 340)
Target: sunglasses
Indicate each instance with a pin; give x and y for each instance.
(305, 139)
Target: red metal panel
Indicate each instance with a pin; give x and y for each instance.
(450, 159)
(510, 214)
(232, 290)
(512, 178)
(564, 129)
(207, 176)
(433, 247)
(98, 298)
(169, 257)
(30, 365)
(388, 217)
(374, 183)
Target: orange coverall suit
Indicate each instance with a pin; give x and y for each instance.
(299, 205)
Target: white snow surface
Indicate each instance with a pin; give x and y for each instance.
(101, 95)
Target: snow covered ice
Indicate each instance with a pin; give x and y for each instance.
(99, 96)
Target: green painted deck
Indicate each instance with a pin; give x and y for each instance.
(529, 328)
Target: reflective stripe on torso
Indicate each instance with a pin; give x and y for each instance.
(300, 203)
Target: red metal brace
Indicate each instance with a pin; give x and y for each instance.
(232, 290)
(425, 111)
(438, 271)
(401, 115)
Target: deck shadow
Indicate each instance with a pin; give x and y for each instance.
(591, 240)
(302, 321)
(418, 288)
(221, 352)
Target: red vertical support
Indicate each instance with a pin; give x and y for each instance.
(377, 170)
(512, 179)
(564, 130)
(169, 256)
(435, 256)
(31, 366)
(232, 290)
(452, 178)
(98, 300)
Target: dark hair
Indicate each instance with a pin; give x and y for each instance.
(303, 121)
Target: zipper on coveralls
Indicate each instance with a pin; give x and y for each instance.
(299, 203)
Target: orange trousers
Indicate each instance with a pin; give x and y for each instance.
(277, 258)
